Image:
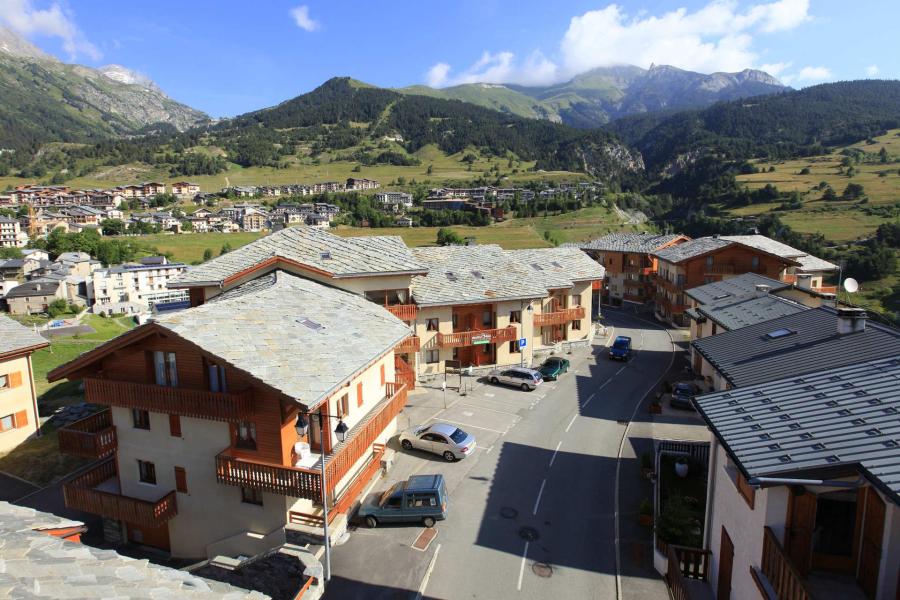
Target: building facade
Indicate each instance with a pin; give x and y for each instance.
(18, 403)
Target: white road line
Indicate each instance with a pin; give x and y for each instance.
(458, 424)
(487, 395)
(425, 579)
(552, 458)
(502, 412)
(538, 501)
(620, 370)
(488, 451)
(522, 566)
(575, 416)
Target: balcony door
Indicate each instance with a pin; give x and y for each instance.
(799, 531)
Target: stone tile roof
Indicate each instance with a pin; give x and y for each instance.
(36, 287)
(733, 288)
(37, 565)
(15, 336)
(691, 248)
(812, 264)
(734, 314)
(559, 267)
(629, 242)
(827, 419)
(472, 274)
(341, 257)
(807, 262)
(297, 336)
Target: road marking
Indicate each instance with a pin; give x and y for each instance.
(488, 451)
(425, 579)
(575, 416)
(487, 395)
(620, 370)
(502, 412)
(458, 424)
(538, 501)
(552, 458)
(522, 566)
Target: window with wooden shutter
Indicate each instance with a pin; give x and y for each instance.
(21, 419)
(359, 391)
(15, 379)
(175, 425)
(382, 375)
(181, 480)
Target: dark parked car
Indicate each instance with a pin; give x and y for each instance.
(683, 395)
(621, 348)
(419, 499)
(553, 367)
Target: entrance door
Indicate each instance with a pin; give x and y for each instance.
(870, 555)
(834, 546)
(801, 523)
(726, 564)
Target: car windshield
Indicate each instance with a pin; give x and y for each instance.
(620, 343)
(390, 491)
(683, 388)
(458, 436)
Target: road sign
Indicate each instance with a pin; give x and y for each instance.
(523, 342)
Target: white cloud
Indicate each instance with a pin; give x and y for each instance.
(53, 21)
(814, 74)
(437, 74)
(872, 70)
(716, 37)
(302, 18)
(775, 69)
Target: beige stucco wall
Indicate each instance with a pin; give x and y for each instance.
(14, 400)
(802, 297)
(32, 304)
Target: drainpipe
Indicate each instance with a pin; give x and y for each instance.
(710, 491)
(759, 482)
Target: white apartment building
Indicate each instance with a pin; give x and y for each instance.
(135, 287)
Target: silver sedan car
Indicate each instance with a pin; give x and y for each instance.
(443, 439)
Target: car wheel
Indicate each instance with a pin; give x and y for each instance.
(494, 380)
(371, 522)
(428, 522)
(449, 456)
(407, 445)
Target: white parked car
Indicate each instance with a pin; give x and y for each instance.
(519, 377)
(443, 439)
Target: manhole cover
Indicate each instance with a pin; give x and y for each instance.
(508, 512)
(529, 534)
(542, 569)
(424, 540)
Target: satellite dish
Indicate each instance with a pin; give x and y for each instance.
(851, 285)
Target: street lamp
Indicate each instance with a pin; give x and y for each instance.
(302, 427)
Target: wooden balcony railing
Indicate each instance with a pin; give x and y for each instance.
(404, 312)
(201, 404)
(473, 338)
(91, 437)
(410, 344)
(559, 317)
(80, 494)
(672, 286)
(783, 576)
(298, 482)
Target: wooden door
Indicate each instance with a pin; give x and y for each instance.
(800, 526)
(870, 551)
(726, 565)
(157, 537)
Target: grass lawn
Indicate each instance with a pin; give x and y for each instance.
(189, 247)
(837, 226)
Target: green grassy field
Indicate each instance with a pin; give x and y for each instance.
(189, 247)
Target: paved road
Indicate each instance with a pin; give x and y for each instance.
(538, 498)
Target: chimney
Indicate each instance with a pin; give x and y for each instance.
(762, 289)
(37, 287)
(804, 281)
(851, 320)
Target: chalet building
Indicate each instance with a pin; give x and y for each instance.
(185, 189)
(394, 201)
(254, 219)
(356, 183)
(804, 496)
(199, 452)
(11, 234)
(809, 274)
(706, 260)
(629, 264)
(18, 402)
(34, 297)
(794, 344)
(152, 188)
(133, 288)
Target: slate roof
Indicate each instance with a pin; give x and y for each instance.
(734, 314)
(15, 336)
(808, 262)
(733, 288)
(691, 248)
(342, 257)
(832, 418)
(38, 565)
(558, 267)
(272, 332)
(472, 274)
(25, 290)
(747, 356)
(629, 242)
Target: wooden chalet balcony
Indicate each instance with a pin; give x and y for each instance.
(298, 482)
(472, 338)
(201, 404)
(410, 344)
(97, 492)
(404, 312)
(559, 317)
(672, 286)
(783, 576)
(638, 269)
(91, 437)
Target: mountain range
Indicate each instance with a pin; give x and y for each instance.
(46, 100)
(604, 94)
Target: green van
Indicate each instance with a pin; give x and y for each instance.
(419, 499)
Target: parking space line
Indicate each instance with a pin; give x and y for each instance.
(458, 424)
(522, 566)
(538, 501)
(502, 412)
(424, 584)
(552, 458)
(575, 416)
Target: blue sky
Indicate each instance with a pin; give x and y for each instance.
(230, 56)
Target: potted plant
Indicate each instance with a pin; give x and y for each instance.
(655, 407)
(676, 525)
(645, 513)
(647, 465)
(681, 466)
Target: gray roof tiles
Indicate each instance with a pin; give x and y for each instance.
(558, 267)
(830, 418)
(748, 356)
(36, 287)
(733, 288)
(38, 565)
(342, 257)
(691, 248)
(629, 242)
(297, 336)
(734, 314)
(808, 262)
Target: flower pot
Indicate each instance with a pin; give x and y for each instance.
(646, 520)
(681, 469)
